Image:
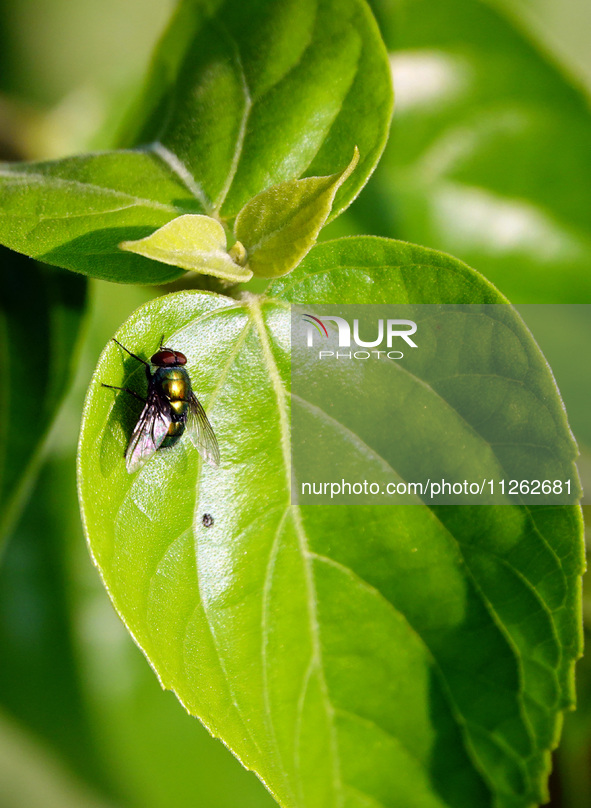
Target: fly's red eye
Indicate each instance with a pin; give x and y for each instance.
(168, 358)
(164, 358)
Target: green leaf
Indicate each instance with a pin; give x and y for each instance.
(241, 98)
(247, 96)
(75, 212)
(280, 225)
(192, 242)
(490, 158)
(355, 656)
(40, 320)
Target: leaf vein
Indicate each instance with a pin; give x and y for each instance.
(180, 170)
(59, 182)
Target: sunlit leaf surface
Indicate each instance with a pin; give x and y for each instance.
(250, 95)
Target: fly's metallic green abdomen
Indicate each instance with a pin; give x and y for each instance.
(175, 384)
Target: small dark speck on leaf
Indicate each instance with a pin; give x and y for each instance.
(207, 520)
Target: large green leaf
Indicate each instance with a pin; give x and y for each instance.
(40, 319)
(241, 98)
(251, 95)
(490, 155)
(357, 656)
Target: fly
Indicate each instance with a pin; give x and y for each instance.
(171, 407)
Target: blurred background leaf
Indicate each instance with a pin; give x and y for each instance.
(31, 776)
(490, 153)
(68, 69)
(562, 29)
(41, 313)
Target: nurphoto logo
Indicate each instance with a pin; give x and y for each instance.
(389, 334)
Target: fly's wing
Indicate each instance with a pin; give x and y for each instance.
(201, 433)
(149, 432)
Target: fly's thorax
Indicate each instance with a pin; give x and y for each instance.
(175, 384)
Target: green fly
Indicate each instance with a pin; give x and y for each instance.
(170, 408)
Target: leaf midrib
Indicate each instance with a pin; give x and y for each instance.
(239, 146)
(196, 511)
(316, 659)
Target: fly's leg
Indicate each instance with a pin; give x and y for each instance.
(143, 361)
(126, 390)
